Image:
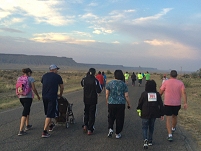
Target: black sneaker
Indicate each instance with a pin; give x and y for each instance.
(150, 143)
(173, 130)
(45, 134)
(145, 146)
(170, 139)
(85, 129)
(51, 127)
(21, 133)
(28, 127)
(110, 133)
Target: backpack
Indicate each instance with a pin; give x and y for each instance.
(22, 86)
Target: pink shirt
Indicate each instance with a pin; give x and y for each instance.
(172, 92)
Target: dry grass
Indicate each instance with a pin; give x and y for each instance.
(189, 119)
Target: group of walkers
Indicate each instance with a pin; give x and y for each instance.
(51, 81)
(136, 76)
(150, 104)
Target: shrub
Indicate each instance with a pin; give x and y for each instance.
(108, 72)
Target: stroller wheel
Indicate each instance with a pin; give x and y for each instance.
(72, 121)
(67, 124)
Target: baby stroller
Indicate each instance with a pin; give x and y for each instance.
(65, 112)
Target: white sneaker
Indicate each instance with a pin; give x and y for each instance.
(118, 136)
(110, 133)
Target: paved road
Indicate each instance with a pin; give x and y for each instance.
(73, 139)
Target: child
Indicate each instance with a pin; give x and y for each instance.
(151, 107)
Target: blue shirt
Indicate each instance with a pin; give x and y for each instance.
(117, 89)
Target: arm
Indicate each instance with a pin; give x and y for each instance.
(127, 99)
(184, 96)
(98, 87)
(107, 95)
(161, 92)
(61, 86)
(34, 90)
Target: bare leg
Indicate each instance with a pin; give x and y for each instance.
(47, 122)
(174, 121)
(169, 124)
(27, 120)
(22, 122)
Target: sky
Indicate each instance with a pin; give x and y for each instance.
(162, 34)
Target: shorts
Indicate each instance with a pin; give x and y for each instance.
(171, 110)
(50, 107)
(140, 81)
(26, 103)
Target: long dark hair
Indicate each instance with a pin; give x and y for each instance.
(118, 74)
(150, 86)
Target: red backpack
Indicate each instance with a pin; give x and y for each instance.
(22, 86)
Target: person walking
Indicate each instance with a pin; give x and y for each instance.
(140, 77)
(105, 80)
(51, 83)
(174, 91)
(126, 75)
(150, 107)
(100, 78)
(147, 76)
(26, 101)
(164, 78)
(91, 88)
(133, 78)
(116, 98)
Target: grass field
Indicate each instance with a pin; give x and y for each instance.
(189, 119)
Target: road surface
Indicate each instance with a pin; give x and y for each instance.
(73, 139)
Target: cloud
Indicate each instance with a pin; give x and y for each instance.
(170, 49)
(41, 11)
(154, 17)
(11, 30)
(61, 37)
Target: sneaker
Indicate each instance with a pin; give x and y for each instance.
(110, 133)
(45, 134)
(170, 139)
(21, 133)
(150, 143)
(145, 146)
(28, 127)
(84, 129)
(51, 127)
(89, 132)
(173, 129)
(118, 136)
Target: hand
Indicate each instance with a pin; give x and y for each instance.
(185, 106)
(38, 97)
(129, 107)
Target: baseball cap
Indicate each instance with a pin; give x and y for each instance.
(53, 66)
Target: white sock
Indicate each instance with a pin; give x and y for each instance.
(169, 135)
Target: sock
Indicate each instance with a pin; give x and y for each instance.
(169, 135)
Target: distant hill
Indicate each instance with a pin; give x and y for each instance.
(19, 61)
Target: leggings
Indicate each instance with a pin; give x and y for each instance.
(26, 103)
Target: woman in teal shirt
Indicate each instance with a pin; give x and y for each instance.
(116, 97)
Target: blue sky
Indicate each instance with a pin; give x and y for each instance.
(147, 33)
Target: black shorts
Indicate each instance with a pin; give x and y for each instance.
(171, 110)
(50, 107)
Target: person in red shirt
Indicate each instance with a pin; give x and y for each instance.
(100, 78)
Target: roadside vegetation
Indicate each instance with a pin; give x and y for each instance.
(189, 119)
